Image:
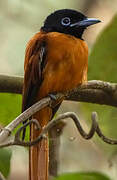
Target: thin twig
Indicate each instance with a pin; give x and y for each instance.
(73, 116)
(2, 177)
(25, 115)
(22, 117)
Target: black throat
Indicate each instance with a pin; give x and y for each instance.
(76, 33)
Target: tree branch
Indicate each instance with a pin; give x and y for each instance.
(94, 91)
(11, 84)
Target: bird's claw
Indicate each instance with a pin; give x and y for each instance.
(52, 96)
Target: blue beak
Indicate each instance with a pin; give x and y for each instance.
(86, 22)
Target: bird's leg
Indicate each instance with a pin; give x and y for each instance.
(55, 100)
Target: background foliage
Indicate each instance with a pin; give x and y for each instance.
(83, 176)
(19, 20)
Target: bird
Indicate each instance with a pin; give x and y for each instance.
(56, 60)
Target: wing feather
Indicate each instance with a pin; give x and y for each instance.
(34, 64)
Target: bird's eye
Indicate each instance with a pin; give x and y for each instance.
(65, 21)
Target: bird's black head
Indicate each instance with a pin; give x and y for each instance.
(68, 21)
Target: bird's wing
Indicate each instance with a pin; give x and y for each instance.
(34, 63)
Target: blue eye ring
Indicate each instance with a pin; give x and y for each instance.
(66, 21)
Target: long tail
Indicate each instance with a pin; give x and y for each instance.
(39, 154)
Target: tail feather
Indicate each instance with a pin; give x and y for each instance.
(38, 158)
(38, 154)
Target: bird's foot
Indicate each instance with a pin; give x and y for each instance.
(53, 96)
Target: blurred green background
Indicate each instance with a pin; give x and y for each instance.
(19, 21)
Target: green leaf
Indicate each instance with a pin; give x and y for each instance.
(5, 157)
(10, 108)
(103, 66)
(83, 176)
(103, 57)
